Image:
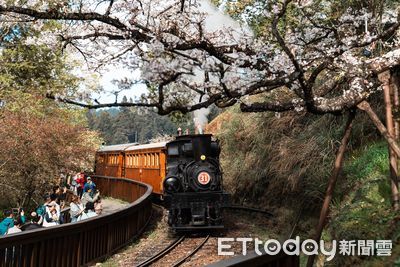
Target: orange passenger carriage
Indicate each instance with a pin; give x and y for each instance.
(143, 163)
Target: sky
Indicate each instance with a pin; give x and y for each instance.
(108, 76)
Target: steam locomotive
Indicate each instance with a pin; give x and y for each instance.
(185, 173)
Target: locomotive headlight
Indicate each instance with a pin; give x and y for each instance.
(172, 185)
(204, 178)
(203, 157)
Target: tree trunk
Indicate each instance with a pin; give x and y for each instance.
(332, 182)
(385, 80)
(364, 105)
(395, 88)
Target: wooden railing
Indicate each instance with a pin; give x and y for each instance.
(84, 242)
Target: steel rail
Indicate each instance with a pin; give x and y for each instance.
(237, 207)
(162, 253)
(181, 261)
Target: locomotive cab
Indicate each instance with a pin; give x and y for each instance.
(193, 183)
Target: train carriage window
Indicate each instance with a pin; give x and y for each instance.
(157, 159)
(152, 159)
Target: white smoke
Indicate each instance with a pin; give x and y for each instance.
(216, 20)
(200, 119)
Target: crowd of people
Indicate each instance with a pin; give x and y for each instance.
(80, 194)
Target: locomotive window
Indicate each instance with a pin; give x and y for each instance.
(188, 149)
(173, 151)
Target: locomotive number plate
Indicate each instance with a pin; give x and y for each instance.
(203, 178)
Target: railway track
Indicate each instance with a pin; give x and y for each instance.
(250, 209)
(171, 247)
(161, 253)
(197, 248)
(184, 245)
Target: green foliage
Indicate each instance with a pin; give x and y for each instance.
(369, 162)
(129, 125)
(363, 209)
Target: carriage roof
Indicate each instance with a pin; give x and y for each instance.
(131, 147)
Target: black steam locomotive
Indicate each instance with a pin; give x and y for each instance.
(193, 190)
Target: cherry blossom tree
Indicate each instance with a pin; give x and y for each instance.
(319, 62)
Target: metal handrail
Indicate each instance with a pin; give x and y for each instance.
(87, 241)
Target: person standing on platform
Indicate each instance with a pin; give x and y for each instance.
(81, 183)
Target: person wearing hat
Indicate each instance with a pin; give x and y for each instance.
(51, 217)
(90, 196)
(89, 185)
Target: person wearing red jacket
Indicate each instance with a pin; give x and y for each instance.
(81, 183)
